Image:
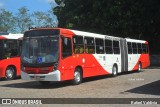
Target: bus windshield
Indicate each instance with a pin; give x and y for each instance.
(40, 50)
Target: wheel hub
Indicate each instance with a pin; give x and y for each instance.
(77, 76)
(9, 73)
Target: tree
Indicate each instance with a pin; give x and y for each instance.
(125, 18)
(7, 21)
(23, 19)
(44, 19)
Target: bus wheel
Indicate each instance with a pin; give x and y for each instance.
(44, 82)
(77, 76)
(114, 71)
(10, 73)
(139, 67)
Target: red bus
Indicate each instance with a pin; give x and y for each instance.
(57, 54)
(10, 47)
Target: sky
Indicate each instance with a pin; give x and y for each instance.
(32, 5)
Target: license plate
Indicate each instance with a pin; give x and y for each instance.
(36, 78)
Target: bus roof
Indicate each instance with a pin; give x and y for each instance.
(88, 34)
(135, 40)
(70, 33)
(11, 36)
(81, 33)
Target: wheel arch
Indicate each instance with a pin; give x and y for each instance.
(116, 65)
(13, 66)
(140, 62)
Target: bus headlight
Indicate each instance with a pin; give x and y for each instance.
(23, 68)
(55, 67)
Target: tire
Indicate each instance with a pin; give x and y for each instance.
(10, 73)
(114, 71)
(139, 67)
(45, 83)
(77, 76)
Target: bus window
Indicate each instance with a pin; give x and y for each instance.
(108, 47)
(116, 47)
(144, 48)
(139, 48)
(11, 48)
(78, 44)
(134, 46)
(89, 45)
(129, 44)
(99, 46)
(66, 47)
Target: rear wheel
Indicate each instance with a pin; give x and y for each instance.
(10, 73)
(114, 71)
(139, 67)
(77, 76)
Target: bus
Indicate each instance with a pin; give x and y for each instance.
(10, 47)
(58, 54)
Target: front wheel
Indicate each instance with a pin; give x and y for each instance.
(10, 73)
(77, 76)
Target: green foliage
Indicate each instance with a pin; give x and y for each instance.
(7, 21)
(44, 19)
(23, 19)
(138, 19)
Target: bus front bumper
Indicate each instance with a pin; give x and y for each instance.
(53, 76)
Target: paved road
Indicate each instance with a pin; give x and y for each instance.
(145, 84)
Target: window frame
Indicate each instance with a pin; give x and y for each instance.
(12, 48)
(135, 48)
(71, 50)
(108, 46)
(130, 49)
(99, 45)
(90, 45)
(81, 45)
(116, 50)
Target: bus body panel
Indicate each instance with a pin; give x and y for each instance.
(15, 62)
(52, 76)
(9, 57)
(144, 60)
(135, 59)
(93, 64)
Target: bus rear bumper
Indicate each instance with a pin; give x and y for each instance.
(53, 76)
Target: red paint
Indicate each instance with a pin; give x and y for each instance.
(144, 59)
(9, 62)
(91, 67)
(1, 37)
(43, 70)
(13, 61)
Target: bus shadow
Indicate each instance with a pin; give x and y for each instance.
(37, 85)
(54, 85)
(101, 77)
(95, 78)
(3, 79)
(151, 89)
